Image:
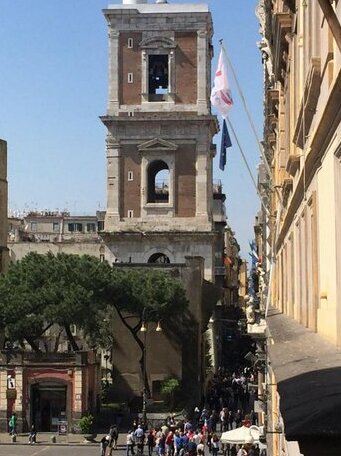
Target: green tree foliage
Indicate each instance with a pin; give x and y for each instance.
(150, 295)
(169, 388)
(85, 424)
(42, 290)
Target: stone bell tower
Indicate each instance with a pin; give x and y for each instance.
(160, 129)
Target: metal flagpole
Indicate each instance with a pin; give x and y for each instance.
(247, 166)
(246, 109)
(253, 128)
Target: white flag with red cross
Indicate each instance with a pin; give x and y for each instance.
(221, 97)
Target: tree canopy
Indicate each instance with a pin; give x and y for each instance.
(45, 290)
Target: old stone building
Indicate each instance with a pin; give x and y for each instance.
(163, 210)
(160, 129)
(3, 205)
(300, 47)
(162, 206)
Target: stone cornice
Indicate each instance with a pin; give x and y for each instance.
(329, 121)
(117, 235)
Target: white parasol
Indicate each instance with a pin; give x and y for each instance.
(241, 435)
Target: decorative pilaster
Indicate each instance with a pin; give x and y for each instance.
(201, 183)
(78, 391)
(202, 101)
(113, 100)
(3, 389)
(113, 183)
(19, 388)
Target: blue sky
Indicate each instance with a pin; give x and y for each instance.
(53, 87)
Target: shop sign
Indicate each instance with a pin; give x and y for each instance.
(62, 427)
(10, 382)
(11, 394)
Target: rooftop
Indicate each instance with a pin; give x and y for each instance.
(162, 8)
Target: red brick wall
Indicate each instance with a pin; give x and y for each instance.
(130, 190)
(185, 192)
(186, 67)
(130, 62)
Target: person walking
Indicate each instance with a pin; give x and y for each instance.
(103, 445)
(243, 451)
(139, 439)
(162, 445)
(151, 441)
(13, 424)
(113, 437)
(233, 450)
(130, 443)
(32, 437)
(214, 444)
(113, 432)
(170, 444)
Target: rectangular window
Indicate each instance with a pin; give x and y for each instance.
(100, 225)
(130, 176)
(90, 227)
(75, 227)
(130, 43)
(130, 213)
(130, 113)
(130, 78)
(55, 227)
(34, 226)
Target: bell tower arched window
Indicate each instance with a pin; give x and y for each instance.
(159, 258)
(158, 69)
(158, 182)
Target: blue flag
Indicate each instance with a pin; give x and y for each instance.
(225, 143)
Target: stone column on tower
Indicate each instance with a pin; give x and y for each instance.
(113, 181)
(113, 99)
(202, 101)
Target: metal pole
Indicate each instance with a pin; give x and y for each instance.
(144, 398)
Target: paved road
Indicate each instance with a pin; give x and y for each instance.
(43, 450)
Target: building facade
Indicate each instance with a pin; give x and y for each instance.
(3, 205)
(46, 388)
(160, 129)
(302, 138)
(163, 210)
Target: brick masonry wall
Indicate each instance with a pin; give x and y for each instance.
(130, 190)
(185, 194)
(186, 68)
(130, 62)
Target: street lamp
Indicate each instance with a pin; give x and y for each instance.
(144, 373)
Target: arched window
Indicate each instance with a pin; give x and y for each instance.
(159, 258)
(158, 182)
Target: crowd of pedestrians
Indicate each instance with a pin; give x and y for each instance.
(228, 406)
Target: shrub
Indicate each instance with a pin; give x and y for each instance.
(85, 424)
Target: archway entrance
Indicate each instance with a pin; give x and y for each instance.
(48, 405)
